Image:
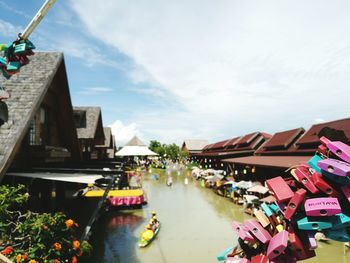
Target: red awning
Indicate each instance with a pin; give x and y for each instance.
(270, 161)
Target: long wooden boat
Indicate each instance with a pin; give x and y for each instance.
(145, 243)
(119, 197)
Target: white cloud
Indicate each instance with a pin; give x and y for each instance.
(123, 133)
(9, 30)
(242, 65)
(319, 120)
(80, 48)
(95, 90)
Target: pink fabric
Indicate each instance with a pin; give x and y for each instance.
(126, 200)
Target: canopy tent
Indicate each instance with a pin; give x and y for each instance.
(258, 189)
(64, 177)
(246, 184)
(251, 198)
(269, 199)
(213, 178)
(135, 147)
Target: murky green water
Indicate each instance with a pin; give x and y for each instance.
(195, 227)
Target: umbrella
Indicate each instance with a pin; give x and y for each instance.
(244, 184)
(258, 189)
(207, 172)
(269, 199)
(212, 178)
(195, 170)
(250, 198)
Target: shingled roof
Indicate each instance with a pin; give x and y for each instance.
(93, 121)
(28, 89)
(108, 138)
(281, 143)
(246, 144)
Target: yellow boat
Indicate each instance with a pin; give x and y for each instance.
(114, 193)
(130, 197)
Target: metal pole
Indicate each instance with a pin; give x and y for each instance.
(37, 18)
(98, 207)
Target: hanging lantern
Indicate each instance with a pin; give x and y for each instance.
(244, 171)
(236, 172)
(253, 169)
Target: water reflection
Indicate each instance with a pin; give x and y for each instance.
(113, 240)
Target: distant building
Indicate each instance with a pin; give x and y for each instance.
(193, 146)
(287, 149)
(108, 149)
(41, 127)
(88, 121)
(134, 147)
(213, 154)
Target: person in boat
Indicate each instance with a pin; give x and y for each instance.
(154, 221)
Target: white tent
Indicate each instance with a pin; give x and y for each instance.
(64, 177)
(135, 147)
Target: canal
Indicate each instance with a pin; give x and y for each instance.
(195, 226)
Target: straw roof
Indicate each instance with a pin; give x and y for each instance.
(135, 141)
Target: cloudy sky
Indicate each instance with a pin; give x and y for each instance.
(209, 69)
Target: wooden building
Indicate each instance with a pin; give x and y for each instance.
(107, 150)
(288, 148)
(193, 146)
(213, 154)
(41, 126)
(88, 121)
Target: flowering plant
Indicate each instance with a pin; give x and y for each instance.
(27, 237)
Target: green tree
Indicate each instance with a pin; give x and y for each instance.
(172, 150)
(153, 145)
(157, 147)
(183, 154)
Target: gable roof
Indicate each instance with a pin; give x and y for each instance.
(246, 144)
(135, 141)
(232, 142)
(93, 122)
(28, 89)
(283, 139)
(281, 142)
(195, 145)
(247, 139)
(310, 137)
(109, 141)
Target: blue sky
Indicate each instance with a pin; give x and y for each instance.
(174, 70)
